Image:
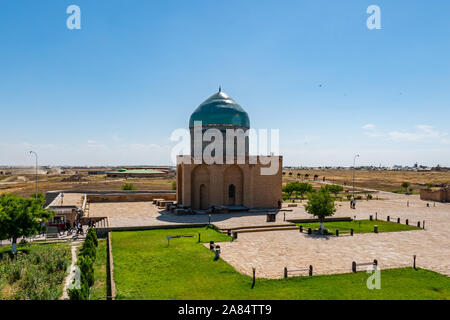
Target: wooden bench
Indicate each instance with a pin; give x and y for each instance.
(355, 265)
(309, 269)
(52, 233)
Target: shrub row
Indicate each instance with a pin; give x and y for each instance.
(86, 258)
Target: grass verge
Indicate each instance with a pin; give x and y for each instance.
(145, 267)
(361, 226)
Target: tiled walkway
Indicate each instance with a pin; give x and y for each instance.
(270, 252)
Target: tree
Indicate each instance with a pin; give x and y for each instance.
(334, 188)
(21, 217)
(289, 189)
(321, 205)
(128, 186)
(406, 186)
(303, 188)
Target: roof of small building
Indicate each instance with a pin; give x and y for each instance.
(220, 109)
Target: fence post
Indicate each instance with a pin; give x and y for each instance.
(414, 264)
(354, 266)
(376, 215)
(310, 270)
(423, 225)
(351, 232)
(337, 233)
(388, 219)
(285, 272)
(199, 237)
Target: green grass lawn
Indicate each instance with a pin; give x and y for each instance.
(360, 226)
(146, 268)
(98, 290)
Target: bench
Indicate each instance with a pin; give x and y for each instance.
(355, 265)
(309, 269)
(52, 233)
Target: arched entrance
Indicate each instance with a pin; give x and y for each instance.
(233, 186)
(232, 195)
(200, 188)
(204, 197)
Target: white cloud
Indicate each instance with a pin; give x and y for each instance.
(423, 132)
(369, 126)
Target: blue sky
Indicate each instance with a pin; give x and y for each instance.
(113, 92)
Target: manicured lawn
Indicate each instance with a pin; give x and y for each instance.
(36, 273)
(361, 226)
(98, 290)
(146, 268)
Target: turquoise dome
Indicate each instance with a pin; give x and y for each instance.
(220, 109)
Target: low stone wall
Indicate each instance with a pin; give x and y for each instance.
(131, 197)
(442, 195)
(337, 219)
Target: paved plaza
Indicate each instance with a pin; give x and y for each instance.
(269, 252)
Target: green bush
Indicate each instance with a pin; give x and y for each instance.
(128, 186)
(86, 265)
(93, 236)
(35, 273)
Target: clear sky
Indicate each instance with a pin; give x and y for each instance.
(113, 92)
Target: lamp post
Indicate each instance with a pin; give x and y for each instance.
(354, 160)
(35, 154)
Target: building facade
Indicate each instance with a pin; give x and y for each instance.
(239, 183)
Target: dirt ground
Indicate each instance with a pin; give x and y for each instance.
(24, 184)
(59, 182)
(379, 180)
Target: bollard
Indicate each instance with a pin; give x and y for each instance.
(354, 266)
(337, 233)
(217, 252)
(211, 245)
(309, 231)
(418, 224)
(371, 217)
(423, 224)
(398, 220)
(388, 219)
(285, 272)
(375, 229)
(375, 264)
(301, 228)
(310, 270)
(229, 232)
(199, 237)
(414, 264)
(351, 232)
(376, 215)
(407, 222)
(254, 273)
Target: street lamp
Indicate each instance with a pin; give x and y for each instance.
(35, 154)
(354, 160)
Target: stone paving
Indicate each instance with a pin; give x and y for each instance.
(270, 252)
